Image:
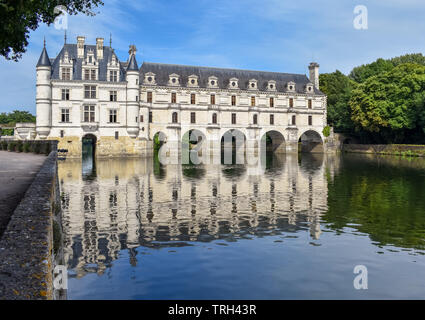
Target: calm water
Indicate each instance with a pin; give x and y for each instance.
(137, 230)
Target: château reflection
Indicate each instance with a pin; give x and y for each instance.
(128, 203)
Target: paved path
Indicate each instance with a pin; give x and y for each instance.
(17, 171)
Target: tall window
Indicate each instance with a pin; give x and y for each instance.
(212, 99)
(255, 119)
(271, 102)
(173, 97)
(310, 120)
(291, 102)
(112, 96)
(116, 135)
(174, 117)
(214, 118)
(88, 113)
(66, 73)
(62, 133)
(272, 119)
(192, 98)
(233, 100)
(150, 117)
(65, 115)
(233, 118)
(113, 116)
(252, 101)
(65, 94)
(149, 97)
(90, 74)
(90, 92)
(294, 120)
(141, 118)
(310, 103)
(113, 75)
(192, 117)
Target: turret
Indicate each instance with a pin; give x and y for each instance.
(43, 95)
(132, 77)
(314, 73)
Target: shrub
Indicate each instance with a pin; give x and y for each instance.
(19, 146)
(327, 131)
(48, 149)
(26, 147)
(4, 145)
(37, 147)
(11, 146)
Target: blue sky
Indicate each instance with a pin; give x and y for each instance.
(273, 35)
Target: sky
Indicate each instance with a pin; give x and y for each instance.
(270, 35)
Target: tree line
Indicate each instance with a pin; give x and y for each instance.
(380, 102)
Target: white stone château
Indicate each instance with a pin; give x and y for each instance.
(86, 92)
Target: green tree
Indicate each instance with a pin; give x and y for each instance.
(19, 17)
(391, 104)
(338, 88)
(12, 118)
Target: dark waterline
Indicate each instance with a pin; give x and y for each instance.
(292, 229)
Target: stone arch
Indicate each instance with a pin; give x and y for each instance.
(159, 138)
(311, 141)
(88, 145)
(193, 146)
(233, 146)
(274, 141)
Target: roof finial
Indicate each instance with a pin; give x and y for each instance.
(65, 37)
(44, 42)
(110, 40)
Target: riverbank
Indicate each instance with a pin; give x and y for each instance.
(386, 149)
(27, 245)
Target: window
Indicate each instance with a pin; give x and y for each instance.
(149, 97)
(88, 113)
(137, 81)
(150, 116)
(137, 98)
(113, 116)
(310, 103)
(174, 117)
(233, 118)
(65, 94)
(294, 120)
(65, 115)
(272, 119)
(93, 74)
(291, 102)
(192, 98)
(90, 74)
(252, 101)
(113, 75)
(112, 96)
(116, 135)
(173, 97)
(62, 133)
(66, 73)
(193, 117)
(214, 118)
(90, 92)
(310, 120)
(141, 118)
(255, 119)
(212, 99)
(233, 100)
(271, 102)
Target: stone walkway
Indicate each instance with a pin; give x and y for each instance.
(17, 171)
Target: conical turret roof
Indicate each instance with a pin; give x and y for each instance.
(132, 64)
(44, 60)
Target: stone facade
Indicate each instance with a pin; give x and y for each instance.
(86, 90)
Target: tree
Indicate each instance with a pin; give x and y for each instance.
(19, 17)
(391, 104)
(16, 116)
(338, 88)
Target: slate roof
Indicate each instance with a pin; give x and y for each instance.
(162, 72)
(132, 64)
(77, 65)
(44, 60)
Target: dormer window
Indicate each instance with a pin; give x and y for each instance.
(271, 85)
(192, 81)
(233, 83)
(66, 66)
(174, 80)
(252, 84)
(212, 82)
(90, 60)
(309, 87)
(290, 86)
(150, 78)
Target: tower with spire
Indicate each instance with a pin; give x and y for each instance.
(43, 94)
(132, 78)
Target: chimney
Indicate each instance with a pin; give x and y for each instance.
(314, 73)
(80, 46)
(99, 48)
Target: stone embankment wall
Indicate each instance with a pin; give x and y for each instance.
(27, 247)
(390, 149)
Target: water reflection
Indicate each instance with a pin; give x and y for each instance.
(128, 203)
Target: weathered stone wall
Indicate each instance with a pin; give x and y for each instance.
(393, 149)
(27, 247)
